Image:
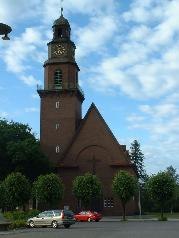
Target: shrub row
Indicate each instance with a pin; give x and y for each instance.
(18, 218)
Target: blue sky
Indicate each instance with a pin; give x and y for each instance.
(128, 53)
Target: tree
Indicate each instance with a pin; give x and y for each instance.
(27, 158)
(10, 131)
(172, 171)
(161, 188)
(20, 151)
(48, 189)
(17, 190)
(174, 201)
(124, 186)
(86, 188)
(137, 157)
(2, 196)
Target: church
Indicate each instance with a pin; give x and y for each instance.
(77, 145)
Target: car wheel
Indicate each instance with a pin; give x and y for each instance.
(54, 224)
(31, 224)
(66, 225)
(89, 219)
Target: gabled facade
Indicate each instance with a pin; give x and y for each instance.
(75, 145)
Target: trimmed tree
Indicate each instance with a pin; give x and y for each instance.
(48, 189)
(17, 190)
(161, 188)
(124, 185)
(87, 188)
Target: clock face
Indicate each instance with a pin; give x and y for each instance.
(59, 49)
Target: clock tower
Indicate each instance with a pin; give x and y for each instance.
(73, 144)
(61, 97)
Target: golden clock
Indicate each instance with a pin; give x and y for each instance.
(59, 49)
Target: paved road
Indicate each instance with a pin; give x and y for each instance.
(114, 229)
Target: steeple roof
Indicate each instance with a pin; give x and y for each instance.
(61, 21)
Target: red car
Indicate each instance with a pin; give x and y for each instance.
(88, 216)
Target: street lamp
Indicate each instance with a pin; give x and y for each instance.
(139, 201)
(5, 30)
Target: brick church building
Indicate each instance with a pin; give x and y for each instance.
(77, 145)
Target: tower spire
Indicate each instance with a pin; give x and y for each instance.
(61, 9)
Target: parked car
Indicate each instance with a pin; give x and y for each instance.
(88, 216)
(52, 218)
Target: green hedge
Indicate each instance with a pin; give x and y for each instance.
(19, 218)
(17, 224)
(20, 215)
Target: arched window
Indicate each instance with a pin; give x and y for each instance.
(57, 149)
(58, 79)
(60, 33)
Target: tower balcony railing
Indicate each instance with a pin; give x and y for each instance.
(80, 89)
(61, 86)
(39, 87)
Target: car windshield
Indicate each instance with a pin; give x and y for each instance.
(57, 212)
(42, 214)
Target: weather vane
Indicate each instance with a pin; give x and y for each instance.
(61, 7)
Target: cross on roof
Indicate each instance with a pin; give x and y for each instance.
(94, 161)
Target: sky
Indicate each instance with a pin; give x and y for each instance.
(128, 54)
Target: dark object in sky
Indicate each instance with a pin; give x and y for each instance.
(5, 30)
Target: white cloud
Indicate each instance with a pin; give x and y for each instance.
(15, 10)
(161, 154)
(147, 57)
(30, 80)
(135, 118)
(48, 10)
(91, 7)
(162, 110)
(140, 32)
(3, 114)
(31, 109)
(160, 121)
(22, 49)
(93, 37)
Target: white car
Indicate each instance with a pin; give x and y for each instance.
(53, 218)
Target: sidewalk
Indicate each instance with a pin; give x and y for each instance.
(119, 219)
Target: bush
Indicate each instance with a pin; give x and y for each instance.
(15, 215)
(20, 215)
(32, 213)
(18, 224)
(19, 218)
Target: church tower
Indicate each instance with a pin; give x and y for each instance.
(77, 145)
(61, 97)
